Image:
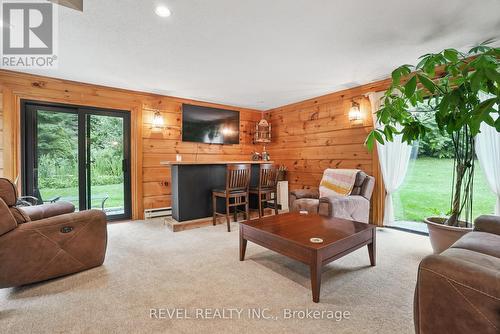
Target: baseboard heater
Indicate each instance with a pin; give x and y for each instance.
(158, 212)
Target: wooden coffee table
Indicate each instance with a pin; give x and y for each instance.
(290, 233)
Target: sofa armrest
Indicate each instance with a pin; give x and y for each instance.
(38, 212)
(96, 217)
(296, 194)
(305, 193)
(7, 221)
(53, 247)
(87, 230)
(354, 207)
(487, 223)
(456, 277)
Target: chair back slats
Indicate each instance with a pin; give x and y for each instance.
(238, 177)
(268, 176)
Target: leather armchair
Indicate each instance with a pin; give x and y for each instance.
(47, 241)
(356, 206)
(458, 291)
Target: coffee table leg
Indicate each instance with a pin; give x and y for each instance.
(243, 247)
(372, 251)
(315, 268)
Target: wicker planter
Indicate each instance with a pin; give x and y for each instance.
(443, 236)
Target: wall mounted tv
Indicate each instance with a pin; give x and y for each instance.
(210, 125)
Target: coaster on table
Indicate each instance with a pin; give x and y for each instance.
(303, 212)
(316, 240)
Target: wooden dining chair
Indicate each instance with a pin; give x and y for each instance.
(267, 187)
(236, 192)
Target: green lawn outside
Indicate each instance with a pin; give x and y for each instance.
(427, 190)
(114, 191)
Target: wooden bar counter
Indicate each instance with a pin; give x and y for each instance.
(192, 184)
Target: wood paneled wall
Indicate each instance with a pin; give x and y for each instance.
(150, 182)
(162, 145)
(316, 134)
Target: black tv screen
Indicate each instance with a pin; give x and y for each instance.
(210, 125)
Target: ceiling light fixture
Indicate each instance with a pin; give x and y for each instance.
(162, 11)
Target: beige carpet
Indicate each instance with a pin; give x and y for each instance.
(148, 266)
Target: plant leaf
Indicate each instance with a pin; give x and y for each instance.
(427, 83)
(489, 120)
(396, 76)
(497, 124)
(378, 137)
(492, 75)
(451, 54)
(388, 133)
(475, 80)
(410, 87)
(370, 140)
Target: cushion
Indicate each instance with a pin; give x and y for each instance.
(7, 221)
(19, 215)
(8, 192)
(358, 183)
(306, 204)
(481, 242)
(43, 211)
(256, 189)
(338, 182)
(231, 192)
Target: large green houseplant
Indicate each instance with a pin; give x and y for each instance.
(460, 91)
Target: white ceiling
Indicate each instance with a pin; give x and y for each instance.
(259, 53)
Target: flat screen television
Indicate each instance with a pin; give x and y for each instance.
(210, 125)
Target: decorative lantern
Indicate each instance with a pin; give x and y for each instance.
(262, 132)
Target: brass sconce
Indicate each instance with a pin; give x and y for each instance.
(355, 115)
(157, 122)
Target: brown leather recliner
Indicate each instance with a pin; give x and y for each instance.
(458, 291)
(356, 206)
(47, 241)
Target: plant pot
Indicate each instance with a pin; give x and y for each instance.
(443, 236)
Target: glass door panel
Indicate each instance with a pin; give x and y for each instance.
(55, 156)
(106, 172)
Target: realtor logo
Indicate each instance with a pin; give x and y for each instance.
(28, 34)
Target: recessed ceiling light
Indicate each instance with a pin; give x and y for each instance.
(162, 11)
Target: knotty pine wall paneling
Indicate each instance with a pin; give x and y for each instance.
(312, 135)
(164, 144)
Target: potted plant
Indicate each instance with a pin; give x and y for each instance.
(460, 91)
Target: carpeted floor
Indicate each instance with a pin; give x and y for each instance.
(149, 267)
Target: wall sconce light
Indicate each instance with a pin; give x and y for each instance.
(355, 113)
(158, 120)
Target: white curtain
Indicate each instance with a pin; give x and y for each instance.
(488, 154)
(394, 158)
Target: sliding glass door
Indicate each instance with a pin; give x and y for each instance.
(77, 154)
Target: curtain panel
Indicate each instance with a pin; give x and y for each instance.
(488, 154)
(394, 158)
